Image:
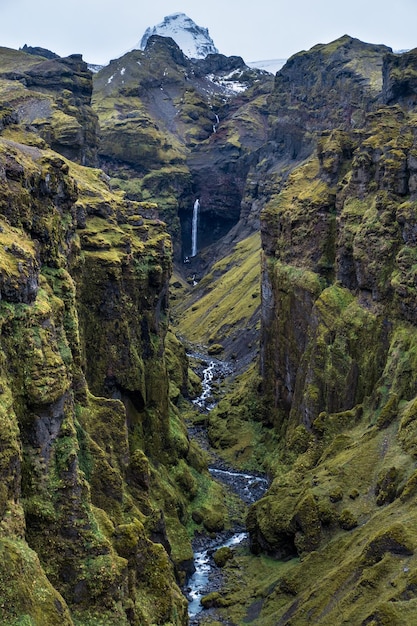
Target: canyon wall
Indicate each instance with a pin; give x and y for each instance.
(94, 454)
(338, 348)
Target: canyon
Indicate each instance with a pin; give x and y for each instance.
(168, 210)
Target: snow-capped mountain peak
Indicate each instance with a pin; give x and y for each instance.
(194, 40)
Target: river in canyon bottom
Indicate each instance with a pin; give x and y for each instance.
(248, 486)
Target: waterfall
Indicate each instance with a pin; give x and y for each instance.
(195, 228)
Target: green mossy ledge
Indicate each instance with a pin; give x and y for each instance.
(92, 531)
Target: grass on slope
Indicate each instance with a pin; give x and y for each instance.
(224, 307)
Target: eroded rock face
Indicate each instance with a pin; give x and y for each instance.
(213, 63)
(400, 84)
(327, 86)
(338, 326)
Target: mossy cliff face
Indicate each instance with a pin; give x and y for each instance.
(122, 291)
(338, 241)
(83, 531)
(100, 481)
(48, 102)
(338, 359)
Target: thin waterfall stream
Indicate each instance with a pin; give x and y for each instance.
(248, 486)
(194, 228)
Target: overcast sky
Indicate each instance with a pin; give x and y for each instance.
(256, 30)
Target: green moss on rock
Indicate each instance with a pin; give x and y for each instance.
(222, 556)
(394, 540)
(27, 595)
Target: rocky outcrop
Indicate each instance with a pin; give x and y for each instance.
(400, 81)
(215, 63)
(51, 100)
(40, 52)
(330, 85)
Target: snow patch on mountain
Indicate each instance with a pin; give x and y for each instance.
(270, 65)
(94, 67)
(194, 40)
(230, 83)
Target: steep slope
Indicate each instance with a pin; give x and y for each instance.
(221, 312)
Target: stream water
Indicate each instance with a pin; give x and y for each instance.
(211, 371)
(249, 487)
(199, 583)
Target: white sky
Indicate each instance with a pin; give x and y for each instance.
(255, 29)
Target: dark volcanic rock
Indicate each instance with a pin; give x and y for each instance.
(400, 78)
(41, 52)
(218, 63)
(70, 72)
(167, 46)
(327, 86)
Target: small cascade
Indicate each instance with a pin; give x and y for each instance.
(194, 230)
(250, 487)
(203, 564)
(203, 400)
